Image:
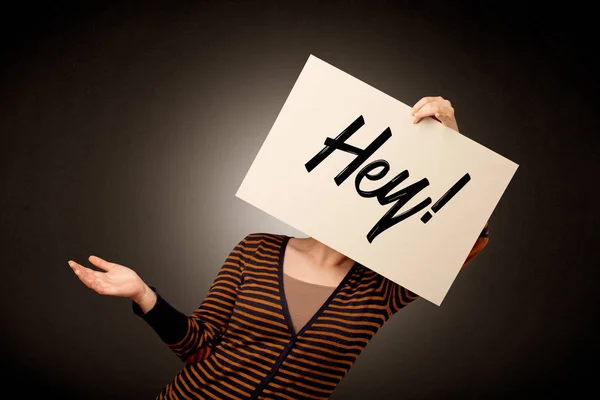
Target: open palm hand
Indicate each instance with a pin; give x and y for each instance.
(116, 280)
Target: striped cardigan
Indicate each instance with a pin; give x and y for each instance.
(240, 342)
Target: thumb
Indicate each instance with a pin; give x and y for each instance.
(100, 263)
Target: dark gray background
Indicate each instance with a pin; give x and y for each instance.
(126, 130)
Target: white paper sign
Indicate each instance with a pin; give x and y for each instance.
(426, 191)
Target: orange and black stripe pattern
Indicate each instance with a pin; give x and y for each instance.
(240, 342)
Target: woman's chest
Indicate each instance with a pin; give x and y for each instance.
(353, 311)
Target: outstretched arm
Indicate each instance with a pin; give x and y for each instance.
(191, 335)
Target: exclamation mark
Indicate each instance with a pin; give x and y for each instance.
(446, 197)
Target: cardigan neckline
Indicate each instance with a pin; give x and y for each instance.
(284, 305)
(307, 283)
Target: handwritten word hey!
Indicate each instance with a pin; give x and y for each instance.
(401, 197)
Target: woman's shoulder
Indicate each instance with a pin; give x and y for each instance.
(273, 238)
(373, 275)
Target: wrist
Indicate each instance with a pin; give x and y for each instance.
(146, 300)
(141, 294)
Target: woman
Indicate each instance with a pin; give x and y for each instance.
(284, 319)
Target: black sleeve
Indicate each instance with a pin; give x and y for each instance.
(185, 335)
(170, 324)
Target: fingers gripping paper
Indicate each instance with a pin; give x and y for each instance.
(345, 164)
